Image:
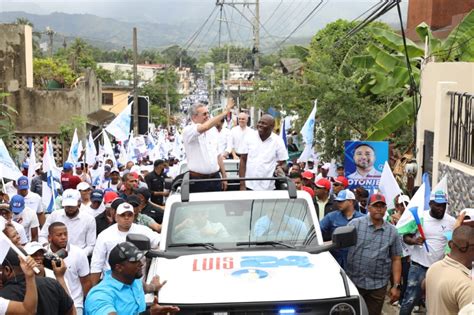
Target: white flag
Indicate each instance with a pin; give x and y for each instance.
(50, 185)
(32, 162)
(108, 150)
(120, 126)
(74, 152)
(308, 128)
(8, 168)
(91, 151)
(388, 186)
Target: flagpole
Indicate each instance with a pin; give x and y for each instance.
(3, 186)
(98, 135)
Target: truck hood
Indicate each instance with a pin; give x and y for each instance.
(256, 276)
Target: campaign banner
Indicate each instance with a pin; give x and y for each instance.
(364, 162)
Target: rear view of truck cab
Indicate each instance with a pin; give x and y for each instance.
(251, 252)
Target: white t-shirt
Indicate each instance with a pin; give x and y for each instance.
(238, 134)
(81, 229)
(224, 142)
(3, 305)
(435, 231)
(29, 220)
(77, 267)
(262, 158)
(110, 237)
(201, 149)
(33, 201)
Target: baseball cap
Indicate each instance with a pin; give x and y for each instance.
(310, 160)
(342, 180)
(323, 183)
(17, 204)
(83, 186)
(71, 197)
(38, 166)
(109, 197)
(326, 166)
(107, 168)
(33, 247)
(308, 190)
(79, 165)
(97, 195)
(124, 207)
(375, 198)
(338, 166)
(125, 251)
(68, 166)
(23, 183)
(144, 192)
(114, 170)
(133, 200)
(438, 197)
(24, 165)
(307, 175)
(344, 195)
(117, 202)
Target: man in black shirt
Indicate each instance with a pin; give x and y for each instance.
(107, 218)
(156, 181)
(52, 298)
(150, 209)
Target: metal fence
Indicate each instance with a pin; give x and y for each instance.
(461, 128)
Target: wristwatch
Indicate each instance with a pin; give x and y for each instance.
(397, 286)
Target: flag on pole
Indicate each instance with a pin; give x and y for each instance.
(120, 126)
(426, 181)
(91, 151)
(388, 186)
(411, 220)
(8, 168)
(283, 132)
(49, 186)
(74, 152)
(32, 162)
(308, 128)
(442, 185)
(108, 150)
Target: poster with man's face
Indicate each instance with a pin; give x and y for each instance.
(363, 162)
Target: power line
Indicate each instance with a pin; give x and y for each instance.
(302, 22)
(273, 13)
(198, 31)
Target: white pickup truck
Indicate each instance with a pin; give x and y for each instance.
(250, 252)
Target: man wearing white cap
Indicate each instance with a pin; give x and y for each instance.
(81, 225)
(85, 190)
(345, 201)
(116, 234)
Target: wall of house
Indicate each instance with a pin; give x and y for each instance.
(120, 100)
(436, 81)
(460, 187)
(44, 111)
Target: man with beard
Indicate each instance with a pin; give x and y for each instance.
(261, 153)
(121, 291)
(81, 225)
(436, 223)
(364, 159)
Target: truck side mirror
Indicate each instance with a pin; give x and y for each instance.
(344, 236)
(140, 241)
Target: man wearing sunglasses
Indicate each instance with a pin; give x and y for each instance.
(448, 282)
(121, 291)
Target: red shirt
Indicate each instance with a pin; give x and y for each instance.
(69, 181)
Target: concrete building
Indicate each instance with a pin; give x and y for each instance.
(145, 72)
(442, 15)
(445, 129)
(42, 112)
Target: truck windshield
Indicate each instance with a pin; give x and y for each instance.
(236, 222)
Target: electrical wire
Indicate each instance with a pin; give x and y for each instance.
(273, 13)
(310, 14)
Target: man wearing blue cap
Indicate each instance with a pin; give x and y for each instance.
(25, 216)
(345, 201)
(32, 200)
(436, 223)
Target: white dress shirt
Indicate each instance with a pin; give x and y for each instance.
(81, 229)
(224, 142)
(93, 212)
(110, 237)
(262, 158)
(238, 134)
(201, 149)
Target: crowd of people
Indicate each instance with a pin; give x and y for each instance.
(87, 266)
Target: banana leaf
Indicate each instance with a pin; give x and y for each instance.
(395, 42)
(392, 121)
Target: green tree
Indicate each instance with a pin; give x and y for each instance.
(175, 54)
(45, 70)
(237, 55)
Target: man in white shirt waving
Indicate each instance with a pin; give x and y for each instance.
(262, 152)
(200, 144)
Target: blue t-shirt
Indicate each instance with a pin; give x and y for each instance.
(111, 295)
(329, 223)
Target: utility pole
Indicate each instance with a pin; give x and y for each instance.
(256, 45)
(50, 34)
(135, 83)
